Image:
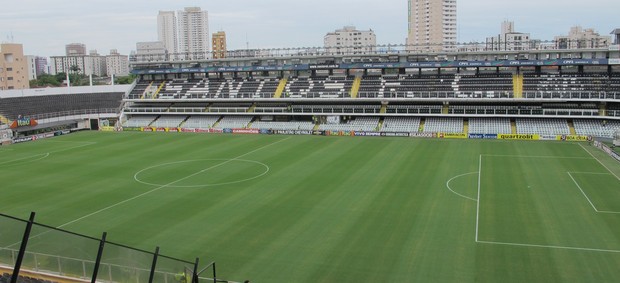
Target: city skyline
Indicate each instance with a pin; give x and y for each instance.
(106, 25)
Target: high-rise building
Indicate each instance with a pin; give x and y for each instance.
(219, 45)
(432, 26)
(117, 64)
(582, 38)
(349, 40)
(75, 49)
(13, 67)
(193, 33)
(167, 31)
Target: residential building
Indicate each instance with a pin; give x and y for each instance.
(349, 40)
(509, 39)
(98, 64)
(32, 67)
(616, 36)
(579, 38)
(13, 67)
(117, 64)
(193, 33)
(150, 51)
(93, 64)
(41, 65)
(75, 49)
(167, 31)
(218, 41)
(432, 26)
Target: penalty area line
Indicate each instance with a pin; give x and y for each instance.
(548, 247)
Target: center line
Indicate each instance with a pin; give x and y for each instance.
(166, 185)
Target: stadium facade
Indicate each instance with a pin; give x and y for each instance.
(543, 94)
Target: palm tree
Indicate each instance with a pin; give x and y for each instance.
(75, 69)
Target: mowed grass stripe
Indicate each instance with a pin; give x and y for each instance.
(331, 209)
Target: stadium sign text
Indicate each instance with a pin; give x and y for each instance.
(519, 137)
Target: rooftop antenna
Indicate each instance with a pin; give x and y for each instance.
(247, 43)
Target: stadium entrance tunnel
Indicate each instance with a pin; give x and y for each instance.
(201, 173)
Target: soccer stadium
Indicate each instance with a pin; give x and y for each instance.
(299, 165)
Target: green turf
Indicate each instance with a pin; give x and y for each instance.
(329, 209)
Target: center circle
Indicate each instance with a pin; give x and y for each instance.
(201, 173)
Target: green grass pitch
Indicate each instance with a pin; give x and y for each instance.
(332, 209)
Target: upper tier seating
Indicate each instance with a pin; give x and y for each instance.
(318, 87)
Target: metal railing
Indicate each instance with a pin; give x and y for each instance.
(52, 252)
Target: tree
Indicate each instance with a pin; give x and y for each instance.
(75, 69)
(45, 80)
(124, 80)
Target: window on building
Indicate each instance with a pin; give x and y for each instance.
(9, 78)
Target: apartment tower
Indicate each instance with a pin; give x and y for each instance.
(167, 31)
(432, 26)
(193, 32)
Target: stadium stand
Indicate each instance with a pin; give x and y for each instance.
(443, 125)
(291, 125)
(596, 128)
(233, 122)
(543, 126)
(201, 122)
(6, 278)
(401, 124)
(366, 124)
(13, 107)
(489, 126)
(168, 121)
(140, 121)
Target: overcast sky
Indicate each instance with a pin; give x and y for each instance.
(44, 27)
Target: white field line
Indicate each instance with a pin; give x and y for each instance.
(478, 201)
(549, 247)
(534, 156)
(448, 185)
(569, 173)
(166, 185)
(44, 155)
(599, 161)
(582, 192)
